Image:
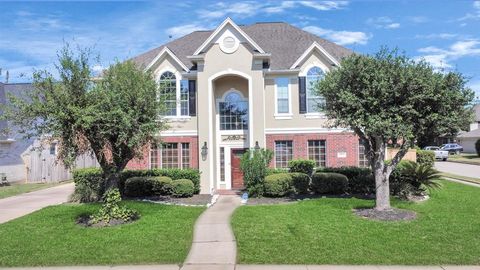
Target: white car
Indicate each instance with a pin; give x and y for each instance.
(439, 154)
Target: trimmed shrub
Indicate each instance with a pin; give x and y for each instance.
(477, 147)
(413, 178)
(162, 185)
(139, 186)
(300, 182)
(89, 185)
(271, 171)
(426, 157)
(329, 183)
(305, 166)
(183, 188)
(278, 185)
(254, 165)
(176, 174)
(360, 180)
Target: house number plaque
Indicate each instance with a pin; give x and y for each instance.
(233, 138)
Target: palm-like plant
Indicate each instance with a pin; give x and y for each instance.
(421, 175)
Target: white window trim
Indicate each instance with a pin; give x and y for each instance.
(235, 131)
(178, 80)
(288, 115)
(312, 115)
(160, 155)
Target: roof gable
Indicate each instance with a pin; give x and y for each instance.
(314, 47)
(163, 52)
(220, 30)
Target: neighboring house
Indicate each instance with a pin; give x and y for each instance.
(240, 87)
(468, 139)
(23, 159)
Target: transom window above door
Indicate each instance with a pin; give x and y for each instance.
(314, 101)
(175, 94)
(233, 112)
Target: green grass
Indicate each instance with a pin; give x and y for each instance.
(465, 158)
(325, 231)
(50, 237)
(19, 188)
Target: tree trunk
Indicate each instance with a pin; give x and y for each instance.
(382, 194)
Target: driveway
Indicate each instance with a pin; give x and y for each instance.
(26, 203)
(459, 169)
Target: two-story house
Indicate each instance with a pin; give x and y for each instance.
(240, 87)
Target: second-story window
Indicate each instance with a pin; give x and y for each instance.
(282, 95)
(314, 101)
(174, 95)
(233, 112)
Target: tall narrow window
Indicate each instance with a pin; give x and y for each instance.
(283, 102)
(168, 90)
(362, 155)
(184, 98)
(283, 153)
(170, 155)
(222, 164)
(317, 152)
(185, 155)
(233, 112)
(314, 101)
(154, 157)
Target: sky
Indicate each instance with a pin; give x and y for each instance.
(446, 33)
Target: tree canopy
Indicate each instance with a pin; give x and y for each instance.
(113, 116)
(388, 98)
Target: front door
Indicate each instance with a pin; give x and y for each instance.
(237, 175)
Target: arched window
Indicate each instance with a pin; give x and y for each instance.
(168, 90)
(314, 101)
(233, 111)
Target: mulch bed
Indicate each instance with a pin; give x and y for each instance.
(197, 199)
(393, 214)
(289, 199)
(84, 220)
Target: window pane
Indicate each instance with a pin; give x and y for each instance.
(154, 158)
(233, 113)
(170, 155)
(313, 100)
(184, 97)
(222, 164)
(168, 90)
(317, 152)
(282, 95)
(283, 153)
(362, 157)
(185, 155)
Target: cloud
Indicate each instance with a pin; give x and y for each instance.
(383, 22)
(475, 86)
(474, 15)
(339, 37)
(181, 30)
(437, 36)
(418, 19)
(249, 8)
(441, 58)
(324, 5)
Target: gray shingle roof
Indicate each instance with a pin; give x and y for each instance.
(16, 89)
(285, 42)
(471, 134)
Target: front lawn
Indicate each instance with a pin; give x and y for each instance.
(50, 236)
(324, 231)
(19, 188)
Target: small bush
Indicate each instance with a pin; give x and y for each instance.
(329, 183)
(413, 178)
(162, 185)
(271, 171)
(176, 174)
(360, 180)
(139, 186)
(183, 188)
(477, 147)
(254, 165)
(305, 166)
(89, 185)
(278, 185)
(111, 210)
(426, 157)
(300, 182)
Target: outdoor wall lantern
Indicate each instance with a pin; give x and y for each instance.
(204, 151)
(257, 147)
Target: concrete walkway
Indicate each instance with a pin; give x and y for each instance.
(467, 170)
(26, 203)
(214, 245)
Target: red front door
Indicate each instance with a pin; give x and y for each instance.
(237, 175)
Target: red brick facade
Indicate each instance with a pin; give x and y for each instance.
(144, 163)
(335, 143)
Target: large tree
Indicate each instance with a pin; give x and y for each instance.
(391, 98)
(113, 116)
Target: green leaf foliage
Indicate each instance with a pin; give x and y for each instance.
(302, 166)
(254, 164)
